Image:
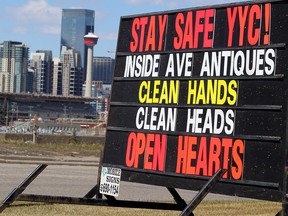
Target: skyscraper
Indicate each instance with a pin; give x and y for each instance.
(67, 75)
(75, 24)
(14, 57)
(57, 72)
(103, 68)
(41, 63)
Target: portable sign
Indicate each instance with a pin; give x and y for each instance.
(110, 181)
(201, 89)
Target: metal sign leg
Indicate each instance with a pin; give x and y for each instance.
(188, 211)
(284, 211)
(17, 191)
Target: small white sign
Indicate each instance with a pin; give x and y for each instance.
(110, 181)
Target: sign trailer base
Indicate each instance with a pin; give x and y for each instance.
(180, 205)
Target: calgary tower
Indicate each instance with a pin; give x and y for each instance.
(90, 41)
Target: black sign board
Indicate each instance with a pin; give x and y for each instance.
(200, 89)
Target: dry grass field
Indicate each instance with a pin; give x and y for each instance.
(210, 208)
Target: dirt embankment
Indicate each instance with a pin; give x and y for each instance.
(52, 146)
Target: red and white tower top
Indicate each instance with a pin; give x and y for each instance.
(90, 39)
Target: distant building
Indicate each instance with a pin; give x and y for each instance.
(30, 81)
(101, 93)
(75, 24)
(14, 57)
(57, 81)
(67, 74)
(41, 63)
(103, 68)
(96, 87)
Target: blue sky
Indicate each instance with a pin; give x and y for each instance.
(37, 23)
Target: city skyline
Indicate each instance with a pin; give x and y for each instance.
(37, 23)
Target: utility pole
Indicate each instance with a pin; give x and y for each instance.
(35, 128)
(7, 114)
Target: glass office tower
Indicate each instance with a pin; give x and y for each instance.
(14, 58)
(75, 24)
(103, 68)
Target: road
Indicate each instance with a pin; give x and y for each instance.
(76, 181)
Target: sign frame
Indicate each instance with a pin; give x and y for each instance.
(268, 107)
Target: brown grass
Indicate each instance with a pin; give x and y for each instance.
(217, 208)
(43, 149)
